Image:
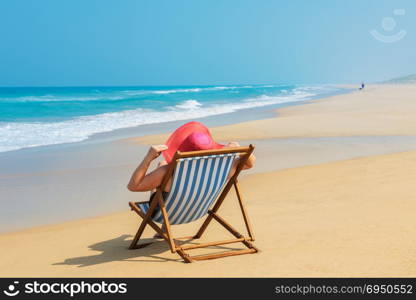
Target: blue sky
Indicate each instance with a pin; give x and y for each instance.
(137, 42)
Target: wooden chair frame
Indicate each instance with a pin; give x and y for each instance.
(245, 153)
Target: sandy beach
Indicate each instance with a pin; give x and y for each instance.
(379, 110)
(332, 195)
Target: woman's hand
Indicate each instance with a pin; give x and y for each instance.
(139, 181)
(232, 144)
(155, 150)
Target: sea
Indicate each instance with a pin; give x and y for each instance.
(42, 116)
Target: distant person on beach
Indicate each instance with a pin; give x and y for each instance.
(362, 86)
(191, 136)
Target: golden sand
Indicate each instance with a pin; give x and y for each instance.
(378, 110)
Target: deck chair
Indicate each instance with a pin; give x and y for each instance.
(199, 187)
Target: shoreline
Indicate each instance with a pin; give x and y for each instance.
(222, 119)
(332, 116)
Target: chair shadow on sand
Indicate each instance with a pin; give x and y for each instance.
(117, 250)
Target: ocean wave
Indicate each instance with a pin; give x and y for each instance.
(115, 95)
(14, 135)
(58, 98)
(187, 104)
(181, 90)
(17, 135)
(195, 90)
(99, 95)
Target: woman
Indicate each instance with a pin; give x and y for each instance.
(191, 136)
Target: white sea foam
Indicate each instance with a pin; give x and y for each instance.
(187, 105)
(195, 90)
(59, 98)
(122, 94)
(15, 135)
(185, 90)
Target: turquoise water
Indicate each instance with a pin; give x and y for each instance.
(32, 117)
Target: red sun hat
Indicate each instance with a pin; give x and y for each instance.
(192, 136)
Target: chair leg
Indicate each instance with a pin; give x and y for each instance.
(244, 212)
(139, 232)
(224, 193)
(232, 230)
(166, 224)
(214, 209)
(136, 239)
(186, 257)
(152, 224)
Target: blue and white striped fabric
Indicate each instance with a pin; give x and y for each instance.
(197, 182)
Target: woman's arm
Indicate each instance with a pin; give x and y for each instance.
(139, 181)
(250, 161)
